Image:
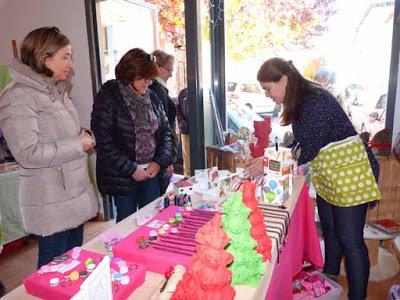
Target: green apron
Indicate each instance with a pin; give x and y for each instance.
(342, 175)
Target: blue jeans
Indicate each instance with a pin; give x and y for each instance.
(144, 192)
(58, 243)
(343, 229)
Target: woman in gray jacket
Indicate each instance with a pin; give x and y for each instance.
(42, 129)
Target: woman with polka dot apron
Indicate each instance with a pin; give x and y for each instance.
(345, 171)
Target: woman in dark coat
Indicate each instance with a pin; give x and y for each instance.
(165, 62)
(132, 134)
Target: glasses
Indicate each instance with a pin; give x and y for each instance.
(146, 80)
(168, 69)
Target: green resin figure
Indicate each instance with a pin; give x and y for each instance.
(247, 267)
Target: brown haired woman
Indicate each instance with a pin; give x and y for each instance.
(165, 63)
(132, 134)
(318, 120)
(42, 129)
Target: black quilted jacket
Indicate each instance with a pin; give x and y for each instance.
(115, 140)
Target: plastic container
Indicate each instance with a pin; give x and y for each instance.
(335, 292)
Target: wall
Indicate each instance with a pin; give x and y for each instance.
(18, 17)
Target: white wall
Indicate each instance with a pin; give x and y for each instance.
(18, 17)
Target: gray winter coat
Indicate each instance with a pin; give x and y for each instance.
(41, 127)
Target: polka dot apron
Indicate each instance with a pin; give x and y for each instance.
(341, 173)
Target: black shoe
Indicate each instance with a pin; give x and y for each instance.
(2, 289)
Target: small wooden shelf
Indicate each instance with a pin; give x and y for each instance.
(389, 184)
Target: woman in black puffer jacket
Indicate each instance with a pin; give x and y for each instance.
(133, 137)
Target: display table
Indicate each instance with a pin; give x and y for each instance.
(302, 242)
(11, 221)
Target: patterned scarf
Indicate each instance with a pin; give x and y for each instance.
(145, 121)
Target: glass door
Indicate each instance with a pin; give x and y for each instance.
(123, 25)
(345, 45)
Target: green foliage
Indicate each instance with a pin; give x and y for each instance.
(171, 17)
(256, 25)
(253, 26)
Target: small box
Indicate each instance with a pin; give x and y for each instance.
(275, 189)
(278, 162)
(334, 293)
(37, 284)
(183, 187)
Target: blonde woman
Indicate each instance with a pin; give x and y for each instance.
(42, 130)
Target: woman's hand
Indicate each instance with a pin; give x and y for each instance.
(256, 167)
(153, 169)
(140, 175)
(87, 142)
(170, 170)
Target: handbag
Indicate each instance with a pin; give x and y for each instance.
(342, 175)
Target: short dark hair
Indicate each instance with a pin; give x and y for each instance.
(136, 63)
(297, 87)
(42, 43)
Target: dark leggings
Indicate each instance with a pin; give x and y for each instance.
(144, 192)
(58, 243)
(343, 229)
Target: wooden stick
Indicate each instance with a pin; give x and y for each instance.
(14, 47)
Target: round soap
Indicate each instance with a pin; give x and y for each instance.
(117, 276)
(140, 238)
(90, 267)
(123, 269)
(121, 263)
(143, 244)
(174, 230)
(153, 235)
(125, 280)
(74, 276)
(54, 281)
(89, 261)
(161, 231)
(83, 274)
(166, 226)
(116, 260)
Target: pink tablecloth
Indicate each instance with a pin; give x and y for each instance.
(302, 243)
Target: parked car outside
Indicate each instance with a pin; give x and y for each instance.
(370, 118)
(251, 95)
